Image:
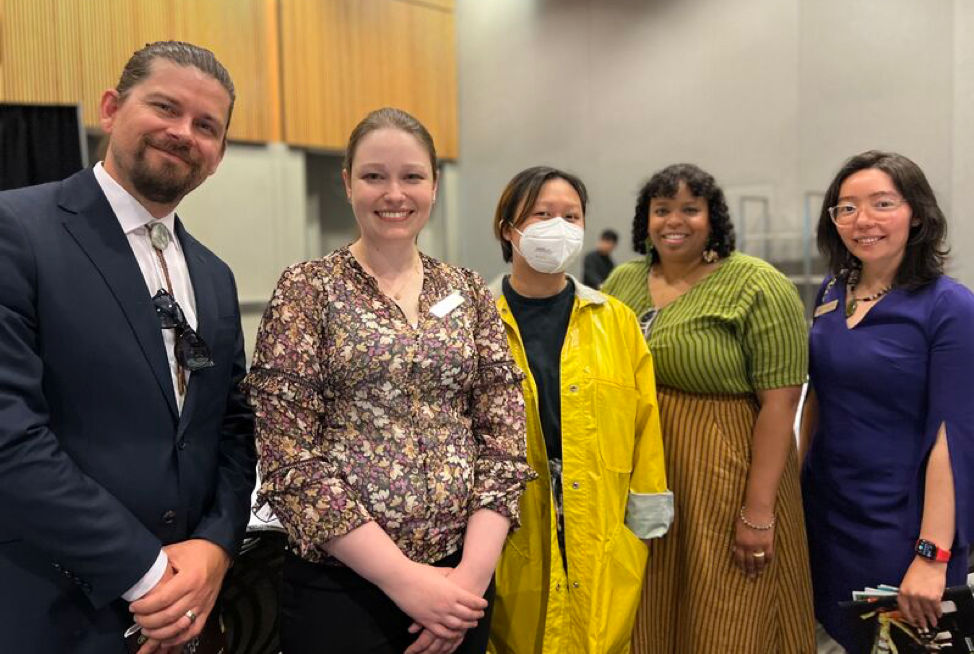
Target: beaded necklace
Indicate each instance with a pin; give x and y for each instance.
(852, 303)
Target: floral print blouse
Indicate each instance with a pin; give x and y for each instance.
(362, 417)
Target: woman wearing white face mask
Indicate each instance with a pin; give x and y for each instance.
(569, 580)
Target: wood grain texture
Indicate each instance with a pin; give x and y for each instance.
(306, 71)
(344, 58)
(70, 51)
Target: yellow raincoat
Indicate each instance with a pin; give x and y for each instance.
(614, 492)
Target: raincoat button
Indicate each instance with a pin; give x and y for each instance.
(557, 586)
(573, 388)
(575, 584)
(575, 485)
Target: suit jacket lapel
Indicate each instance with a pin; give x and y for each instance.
(96, 230)
(206, 314)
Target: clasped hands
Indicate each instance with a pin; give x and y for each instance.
(189, 587)
(443, 602)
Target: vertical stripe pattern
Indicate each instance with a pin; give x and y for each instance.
(695, 599)
(740, 329)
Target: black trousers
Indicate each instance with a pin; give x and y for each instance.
(326, 609)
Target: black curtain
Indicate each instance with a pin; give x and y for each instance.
(38, 143)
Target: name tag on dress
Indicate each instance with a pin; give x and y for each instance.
(822, 309)
(447, 304)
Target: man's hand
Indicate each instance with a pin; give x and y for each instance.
(199, 567)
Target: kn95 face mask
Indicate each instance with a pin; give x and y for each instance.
(550, 246)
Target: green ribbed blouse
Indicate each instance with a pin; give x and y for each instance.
(739, 330)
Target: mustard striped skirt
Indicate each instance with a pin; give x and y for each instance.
(695, 598)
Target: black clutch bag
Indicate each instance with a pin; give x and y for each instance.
(879, 627)
(212, 639)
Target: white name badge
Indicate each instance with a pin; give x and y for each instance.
(447, 304)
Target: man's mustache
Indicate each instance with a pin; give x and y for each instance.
(181, 150)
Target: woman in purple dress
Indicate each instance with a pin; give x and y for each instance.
(888, 428)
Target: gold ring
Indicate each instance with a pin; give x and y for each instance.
(191, 615)
(758, 555)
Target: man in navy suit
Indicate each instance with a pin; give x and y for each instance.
(126, 449)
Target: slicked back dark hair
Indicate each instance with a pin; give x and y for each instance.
(926, 248)
(519, 196)
(666, 184)
(139, 67)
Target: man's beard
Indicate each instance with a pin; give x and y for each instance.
(165, 183)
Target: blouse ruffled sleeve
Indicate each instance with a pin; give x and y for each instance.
(288, 391)
(497, 412)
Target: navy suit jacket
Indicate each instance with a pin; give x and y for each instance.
(98, 470)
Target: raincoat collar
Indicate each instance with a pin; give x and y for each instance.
(585, 294)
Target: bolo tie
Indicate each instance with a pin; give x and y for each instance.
(160, 237)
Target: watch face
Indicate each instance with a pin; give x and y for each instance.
(926, 549)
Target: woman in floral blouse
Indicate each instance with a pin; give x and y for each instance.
(390, 423)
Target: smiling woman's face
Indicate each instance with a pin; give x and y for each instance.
(679, 227)
(391, 185)
(875, 237)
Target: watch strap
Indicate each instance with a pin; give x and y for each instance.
(929, 550)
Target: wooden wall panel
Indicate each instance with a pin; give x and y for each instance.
(69, 51)
(342, 58)
(306, 79)
(445, 5)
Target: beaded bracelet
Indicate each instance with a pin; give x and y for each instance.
(751, 525)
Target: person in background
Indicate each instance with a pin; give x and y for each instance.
(888, 424)
(598, 263)
(569, 580)
(728, 337)
(390, 423)
(126, 446)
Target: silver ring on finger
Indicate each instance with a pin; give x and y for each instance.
(191, 614)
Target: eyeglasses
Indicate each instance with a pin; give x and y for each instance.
(646, 321)
(192, 352)
(880, 208)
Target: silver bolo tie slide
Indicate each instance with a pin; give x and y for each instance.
(159, 236)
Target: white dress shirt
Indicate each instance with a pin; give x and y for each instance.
(134, 218)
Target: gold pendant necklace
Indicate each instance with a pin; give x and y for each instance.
(395, 292)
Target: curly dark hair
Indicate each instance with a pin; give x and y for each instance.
(926, 248)
(665, 184)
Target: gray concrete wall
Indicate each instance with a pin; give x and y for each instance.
(768, 95)
(252, 212)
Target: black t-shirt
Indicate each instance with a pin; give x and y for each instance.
(543, 323)
(596, 268)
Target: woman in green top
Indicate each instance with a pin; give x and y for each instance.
(728, 337)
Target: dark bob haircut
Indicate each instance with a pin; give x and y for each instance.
(665, 184)
(926, 249)
(519, 196)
